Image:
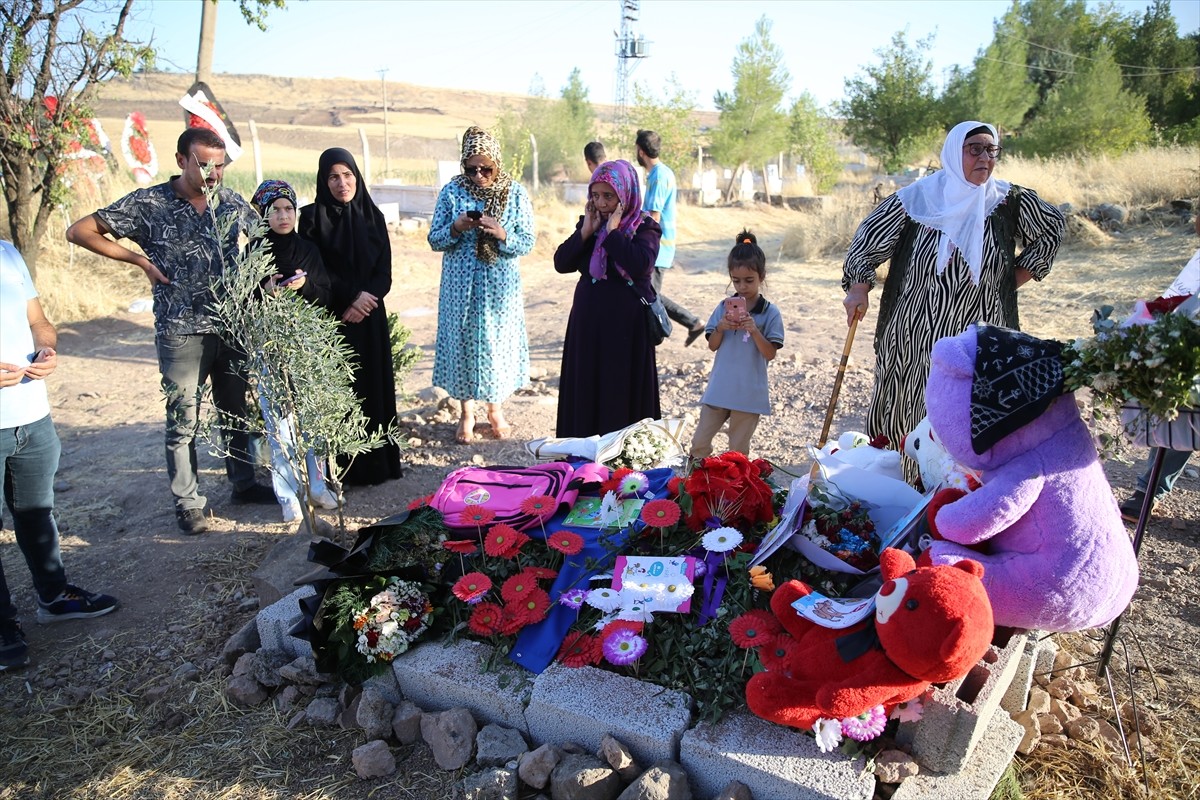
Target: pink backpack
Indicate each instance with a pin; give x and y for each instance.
(503, 489)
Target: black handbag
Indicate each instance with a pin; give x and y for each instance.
(658, 324)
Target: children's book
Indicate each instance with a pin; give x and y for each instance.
(590, 512)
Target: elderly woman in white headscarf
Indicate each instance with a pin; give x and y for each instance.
(482, 225)
(960, 243)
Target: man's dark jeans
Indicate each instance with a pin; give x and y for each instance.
(185, 363)
(675, 311)
(28, 462)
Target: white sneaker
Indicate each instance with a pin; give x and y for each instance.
(325, 500)
(292, 512)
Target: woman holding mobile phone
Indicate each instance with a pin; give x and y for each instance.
(482, 225)
(609, 372)
(745, 331)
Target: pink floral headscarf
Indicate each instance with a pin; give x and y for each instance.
(623, 178)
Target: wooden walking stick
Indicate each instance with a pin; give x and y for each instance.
(837, 383)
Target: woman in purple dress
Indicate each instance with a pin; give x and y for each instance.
(609, 374)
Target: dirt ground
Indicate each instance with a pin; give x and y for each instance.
(182, 596)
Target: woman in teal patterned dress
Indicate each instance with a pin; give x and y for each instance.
(482, 224)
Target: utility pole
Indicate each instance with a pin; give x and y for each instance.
(629, 46)
(208, 40)
(387, 147)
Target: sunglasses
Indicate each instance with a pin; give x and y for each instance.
(484, 171)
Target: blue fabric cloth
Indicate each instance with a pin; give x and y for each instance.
(738, 381)
(537, 644)
(660, 196)
(482, 351)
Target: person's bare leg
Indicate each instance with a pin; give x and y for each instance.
(500, 427)
(466, 423)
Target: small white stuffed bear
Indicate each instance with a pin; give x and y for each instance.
(938, 469)
(854, 448)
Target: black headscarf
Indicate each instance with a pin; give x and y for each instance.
(352, 237)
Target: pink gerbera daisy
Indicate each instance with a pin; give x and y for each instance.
(865, 726)
(624, 647)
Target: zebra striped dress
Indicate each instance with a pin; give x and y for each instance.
(926, 306)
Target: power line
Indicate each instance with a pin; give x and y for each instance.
(1147, 71)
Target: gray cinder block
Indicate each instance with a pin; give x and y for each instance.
(277, 619)
(439, 677)
(1017, 696)
(775, 762)
(582, 705)
(996, 749)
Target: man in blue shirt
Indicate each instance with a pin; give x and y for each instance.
(661, 193)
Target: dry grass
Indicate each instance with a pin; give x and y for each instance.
(1145, 178)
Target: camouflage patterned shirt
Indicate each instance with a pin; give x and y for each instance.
(181, 242)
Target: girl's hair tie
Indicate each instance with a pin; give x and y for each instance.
(747, 241)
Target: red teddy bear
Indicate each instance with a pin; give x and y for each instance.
(933, 625)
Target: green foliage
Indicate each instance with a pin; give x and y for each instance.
(753, 127)
(255, 11)
(812, 138)
(670, 115)
(1057, 30)
(1088, 114)
(1159, 62)
(561, 127)
(891, 111)
(1002, 90)
(404, 357)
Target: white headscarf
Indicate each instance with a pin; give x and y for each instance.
(946, 201)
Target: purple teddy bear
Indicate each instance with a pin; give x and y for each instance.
(1044, 524)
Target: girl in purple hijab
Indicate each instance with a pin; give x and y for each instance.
(609, 373)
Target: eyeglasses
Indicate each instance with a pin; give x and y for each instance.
(484, 171)
(977, 149)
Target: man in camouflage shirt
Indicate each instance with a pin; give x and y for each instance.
(172, 225)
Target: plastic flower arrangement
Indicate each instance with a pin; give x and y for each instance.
(1152, 358)
(391, 620)
(841, 527)
(730, 488)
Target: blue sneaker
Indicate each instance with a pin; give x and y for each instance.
(14, 652)
(75, 603)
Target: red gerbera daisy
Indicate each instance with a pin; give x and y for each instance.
(580, 649)
(613, 484)
(512, 621)
(542, 573)
(503, 541)
(532, 607)
(675, 485)
(776, 655)
(472, 586)
(478, 515)
(461, 546)
(485, 619)
(566, 542)
(621, 625)
(413, 505)
(661, 514)
(517, 587)
(754, 628)
(539, 505)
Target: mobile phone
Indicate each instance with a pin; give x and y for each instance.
(295, 277)
(474, 215)
(735, 307)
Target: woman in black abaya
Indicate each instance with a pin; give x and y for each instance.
(352, 236)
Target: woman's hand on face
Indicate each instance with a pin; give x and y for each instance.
(614, 219)
(856, 302)
(591, 220)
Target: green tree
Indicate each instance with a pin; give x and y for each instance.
(1089, 113)
(670, 114)
(562, 126)
(1159, 65)
(811, 136)
(891, 111)
(1057, 31)
(753, 128)
(1003, 92)
(48, 49)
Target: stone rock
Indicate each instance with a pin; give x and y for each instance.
(1083, 729)
(535, 766)
(432, 395)
(1111, 736)
(244, 691)
(266, 669)
(619, 758)
(1146, 720)
(893, 766)
(322, 712)
(451, 737)
(155, 693)
(374, 713)
(666, 780)
(1049, 724)
(496, 745)
(301, 670)
(1061, 688)
(287, 699)
(348, 719)
(491, 784)
(244, 665)
(186, 672)
(1065, 712)
(373, 760)
(1039, 701)
(286, 561)
(406, 722)
(1028, 720)
(1063, 661)
(736, 790)
(244, 641)
(583, 777)
(1054, 741)
(1110, 212)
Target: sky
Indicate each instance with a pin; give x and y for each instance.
(505, 45)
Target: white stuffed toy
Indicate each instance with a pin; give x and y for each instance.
(854, 448)
(938, 468)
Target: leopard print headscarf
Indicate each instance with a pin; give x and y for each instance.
(477, 141)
